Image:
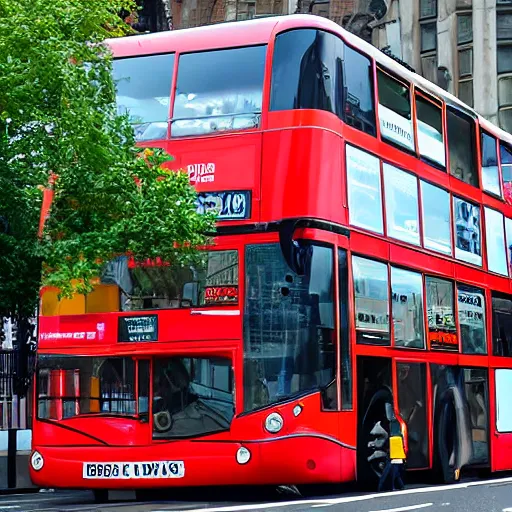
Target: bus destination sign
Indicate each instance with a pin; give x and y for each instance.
(227, 205)
(138, 328)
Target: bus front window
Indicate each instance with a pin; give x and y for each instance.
(218, 90)
(212, 281)
(143, 91)
(289, 325)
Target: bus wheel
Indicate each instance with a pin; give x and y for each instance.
(374, 445)
(100, 496)
(447, 444)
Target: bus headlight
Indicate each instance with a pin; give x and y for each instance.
(243, 455)
(37, 461)
(274, 423)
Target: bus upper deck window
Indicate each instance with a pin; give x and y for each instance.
(506, 170)
(429, 119)
(461, 147)
(395, 111)
(219, 90)
(490, 174)
(143, 90)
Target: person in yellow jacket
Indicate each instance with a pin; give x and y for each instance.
(395, 464)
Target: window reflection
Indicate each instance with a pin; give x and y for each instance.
(442, 331)
(467, 231)
(436, 218)
(506, 169)
(219, 90)
(501, 325)
(364, 190)
(490, 174)
(288, 325)
(503, 402)
(192, 396)
(495, 242)
(430, 131)
(407, 301)
(143, 86)
(371, 301)
(401, 191)
(471, 305)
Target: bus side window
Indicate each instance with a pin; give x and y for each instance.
(506, 170)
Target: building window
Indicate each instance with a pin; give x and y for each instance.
(467, 231)
(395, 111)
(501, 325)
(504, 63)
(429, 121)
(435, 204)
(503, 25)
(364, 190)
(401, 189)
(371, 292)
(495, 242)
(465, 51)
(464, 28)
(471, 305)
(490, 173)
(428, 25)
(407, 300)
(461, 147)
(442, 331)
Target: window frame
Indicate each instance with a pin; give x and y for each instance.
(456, 249)
(488, 211)
(486, 133)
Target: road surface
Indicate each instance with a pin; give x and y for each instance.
(470, 496)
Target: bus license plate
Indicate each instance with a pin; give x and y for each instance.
(125, 470)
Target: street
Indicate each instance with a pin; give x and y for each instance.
(493, 495)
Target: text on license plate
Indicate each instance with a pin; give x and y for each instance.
(124, 470)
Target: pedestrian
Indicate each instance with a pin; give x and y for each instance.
(396, 460)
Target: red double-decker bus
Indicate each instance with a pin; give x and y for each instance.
(361, 271)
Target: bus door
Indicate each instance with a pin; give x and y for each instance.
(413, 404)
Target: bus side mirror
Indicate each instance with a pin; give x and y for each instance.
(293, 253)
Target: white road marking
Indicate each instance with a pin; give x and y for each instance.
(403, 509)
(509, 509)
(351, 499)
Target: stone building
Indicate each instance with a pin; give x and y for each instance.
(465, 46)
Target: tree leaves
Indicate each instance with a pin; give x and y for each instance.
(58, 115)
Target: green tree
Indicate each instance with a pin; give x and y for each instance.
(58, 118)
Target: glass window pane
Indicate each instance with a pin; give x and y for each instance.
(428, 8)
(307, 66)
(395, 111)
(504, 25)
(407, 300)
(461, 146)
(401, 191)
(436, 218)
(464, 28)
(192, 396)
(505, 91)
(506, 171)
(359, 110)
(503, 402)
(143, 90)
(501, 325)
(490, 173)
(211, 280)
(442, 331)
(505, 59)
(505, 119)
(466, 92)
(144, 378)
(364, 190)
(495, 242)
(289, 336)
(371, 301)
(465, 62)
(346, 360)
(428, 36)
(467, 231)
(412, 405)
(71, 386)
(471, 304)
(219, 90)
(430, 130)
(508, 233)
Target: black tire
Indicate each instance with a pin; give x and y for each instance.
(370, 459)
(100, 496)
(447, 444)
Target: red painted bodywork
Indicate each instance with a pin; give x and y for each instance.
(294, 165)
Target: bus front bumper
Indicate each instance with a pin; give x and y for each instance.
(287, 460)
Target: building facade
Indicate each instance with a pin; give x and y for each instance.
(465, 46)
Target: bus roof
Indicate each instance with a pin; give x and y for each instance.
(260, 31)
